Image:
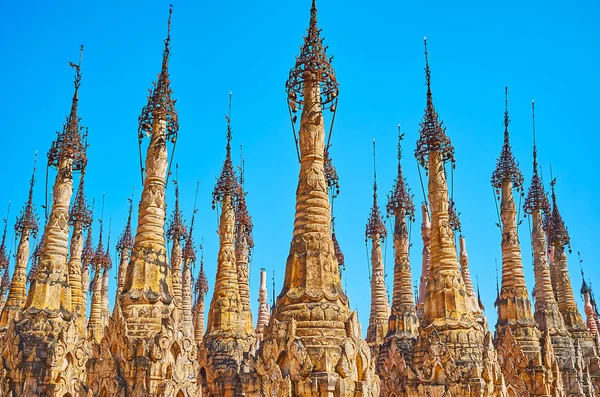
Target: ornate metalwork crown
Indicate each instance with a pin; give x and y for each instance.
(312, 64)
(126, 239)
(35, 258)
(101, 258)
(454, 217)
(189, 252)
(433, 133)
(201, 286)
(555, 227)
(161, 105)
(536, 196)
(375, 225)
(331, 175)
(80, 212)
(4, 256)
(507, 167)
(400, 198)
(70, 142)
(177, 230)
(227, 183)
(87, 255)
(244, 225)
(339, 255)
(27, 219)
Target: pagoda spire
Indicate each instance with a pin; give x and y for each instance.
(124, 245)
(464, 267)
(100, 262)
(48, 326)
(105, 276)
(514, 306)
(244, 243)
(403, 322)
(87, 257)
(50, 292)
(80, 218)
(220, 318)
(312, 305)
(4, 285)
(177, 234)
(584, 339)
(586, 292)
(4, 262)
(148, 285)
(26, 227)
(433, 150)
(448, 317)
(425, 258)
(189, 259)
(547, 313)
(558, 237)
(263, 308)
(200, 289)
(380, 305)
(226, 339)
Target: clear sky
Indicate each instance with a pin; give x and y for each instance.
(547, 51)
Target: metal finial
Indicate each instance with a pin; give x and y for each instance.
(161, 105)
(375, 226)
(432, 136)
(177, 230)
(312, 64)
(427, 70)
(400, 198)
(555, 225)
(4, 257)
(227, 183)
(69, 143)
(535, 165)
(28, 219)
(536, 197)
(189, 252)
(507, 168)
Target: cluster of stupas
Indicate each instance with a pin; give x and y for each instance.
(157, 342)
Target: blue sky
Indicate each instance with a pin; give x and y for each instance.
(545, 51)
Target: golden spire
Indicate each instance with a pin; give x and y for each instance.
(105, 276)
(50, 292)
(537, 205)
(586, 292)
(200, 289)
(4, 262)
(514, 305)
(425, 258)
(263, 308)
(100, 262)
(403, 322)
(79, 218)
(547, 313)
(244, 243)
(189, 258)
(225, 309)
(447, 309)
(26, 227)
(124, 245)
(558, 237)
(176, 233)
(380, 305)
(87, 257)
(148, 283)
